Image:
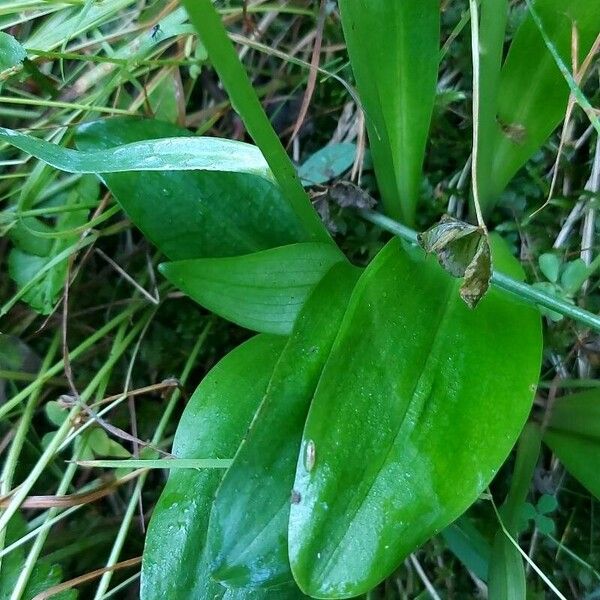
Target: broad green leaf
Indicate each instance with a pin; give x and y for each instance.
(579, 454)
(532, 93)
(411, 419)
(394, 49)
(327, 164)
(212, 426)
(12, 55)
(263, 291)
(247, 537)
(507, 576)
(574, 436)
(194, 214)
(167, 154)
(492, 32)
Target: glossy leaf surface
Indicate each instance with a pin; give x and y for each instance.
(532, 93)
(193, 214)
(263, 291)
(247, 539)
(574, 436)
(168, 154)
(418, 405)
(212, 426)
(394, 49)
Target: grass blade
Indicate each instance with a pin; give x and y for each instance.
(222, 54)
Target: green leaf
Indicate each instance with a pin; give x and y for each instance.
(547, 504)
(12, 55)
(579, 454)
(469, 546)
(224, 57)
(247, 538)
(577, 414)
(212, 426)
(394, 49)
(492, 32)
(55, 413)
(532, 94)
(102, 445)
(23, 266)
(573, 276)
(550, 266)
(574, 436)
(507, 575)
(528, 453)
(263, 291)
(410, 421)
(327, 164)
(167, 97)
(167, 154)
(194, 214)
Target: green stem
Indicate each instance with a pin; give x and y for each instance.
(234, 78)
(499, 280)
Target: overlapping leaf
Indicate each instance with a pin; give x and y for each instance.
(226, 204)
(418, 405)
(194, 214)
(247, 539)
(212, 426)
(263, 291)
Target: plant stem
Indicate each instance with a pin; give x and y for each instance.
(499, 280)
(244, 100)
